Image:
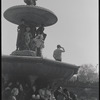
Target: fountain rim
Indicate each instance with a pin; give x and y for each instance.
(7, 58)
(44, 69)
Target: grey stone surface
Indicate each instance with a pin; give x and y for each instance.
(32, 14)
(38, 66)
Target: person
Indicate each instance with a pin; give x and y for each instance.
(73, 95)
(6, 93)
(42, 94)
(58, 94)
(48, 92)
(45, 94)
(14, 93)
(34, 93)
(27, 37)
(21, 95)
(67, 94)
(21, 30)
(57, 53)
(35, 97)
(30, 2)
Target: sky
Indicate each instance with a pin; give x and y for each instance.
(76, 30)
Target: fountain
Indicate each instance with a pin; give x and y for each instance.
(26, 64)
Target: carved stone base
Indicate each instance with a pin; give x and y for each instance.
(24, 53)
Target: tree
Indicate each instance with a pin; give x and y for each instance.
(87, 73)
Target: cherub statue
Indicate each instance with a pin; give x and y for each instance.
(30, 2)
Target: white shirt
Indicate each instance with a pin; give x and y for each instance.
(57, 53)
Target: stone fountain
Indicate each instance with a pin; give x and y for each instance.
(25, 65)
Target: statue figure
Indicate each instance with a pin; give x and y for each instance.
(27, 38)
(32, 30)
(21, 30)
(30, 2)
(39, 31)
(32, 44)
(39, 44)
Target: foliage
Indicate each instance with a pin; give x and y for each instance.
(86, 73)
